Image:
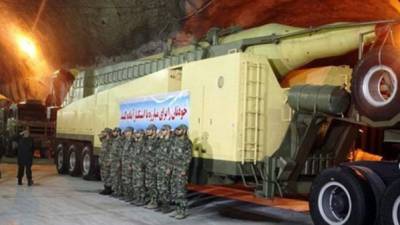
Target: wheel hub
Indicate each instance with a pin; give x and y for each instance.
(334, 203)
(60, 159)
(86, 164)
(339, 204)
(72, 161)
(380, 85)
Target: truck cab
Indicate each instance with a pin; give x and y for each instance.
(33, 114)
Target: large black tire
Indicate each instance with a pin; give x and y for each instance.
(88, 164)
(74, 161)
(390, 207)
(370, 99)
(375, 184)
(61, 160)
(96, 166)
(340, 197)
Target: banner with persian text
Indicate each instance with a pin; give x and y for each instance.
(170, 108)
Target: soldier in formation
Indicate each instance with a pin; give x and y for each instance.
(150, 147)
(138, 169)
(152, 168)
(181, 155)
(164, 168)
(126, 163)
(116, 150)
(105, 160)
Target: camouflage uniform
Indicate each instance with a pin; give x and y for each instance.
(149, 152)
(138, 169)
(181, 155)
(164, 168)
(116, 149)
(105, 161)
(126, 160)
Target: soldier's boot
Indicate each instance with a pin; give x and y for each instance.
(180, 213)
(103, 192)
(114, 194)
(30, 182)
(124, 196)
(121, 196)
(159, 207)
(152, 204)
(130, 197)
(140, 202)
(166, 208)
(107, 191)
(19, 181)
(135, 202)
(173, 214)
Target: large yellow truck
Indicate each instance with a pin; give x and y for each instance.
(249, 122)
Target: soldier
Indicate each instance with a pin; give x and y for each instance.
(138, 169)
(181, 155)
(126, 158)
(117, 146)
(105, 160)
(150, 148)
(164, 168)
(25, 156)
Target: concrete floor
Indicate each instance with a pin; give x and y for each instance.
(56, 199)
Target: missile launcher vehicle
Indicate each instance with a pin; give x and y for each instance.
(258, 112)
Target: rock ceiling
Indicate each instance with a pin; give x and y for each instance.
(85, 32)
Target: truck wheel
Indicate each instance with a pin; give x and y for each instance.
(376, 185)
(87, 164)
(390, 207)
(74, 160)
(375, 85)
(96, 166)
(60, 159)
(338, 197)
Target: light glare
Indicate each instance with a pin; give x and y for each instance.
(27, 46)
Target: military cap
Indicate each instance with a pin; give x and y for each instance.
(127, 129)
(140, 131)
(182, 127)
(151, 127)
(117, 129)
(166, 127)
(107, 130)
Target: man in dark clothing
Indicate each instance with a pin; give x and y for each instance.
(25, 156)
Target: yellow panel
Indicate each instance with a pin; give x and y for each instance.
(213, 110)
(218, 115)
(90, 115)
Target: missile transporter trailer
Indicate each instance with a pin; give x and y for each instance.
(257, 116)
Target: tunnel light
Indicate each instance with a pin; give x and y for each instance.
(27, 46)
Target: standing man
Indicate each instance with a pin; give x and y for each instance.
(105, 160)
(150, 148)
(126, 164)
(164, 168)
(138, 169)
(116, 150)
(181, 155)
(25, 156)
